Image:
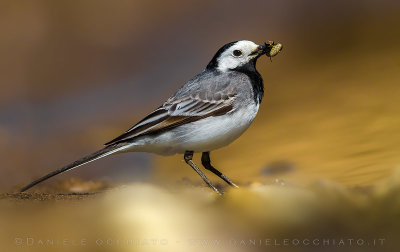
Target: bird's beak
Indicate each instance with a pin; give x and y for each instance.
(269, 48)
(260, 50)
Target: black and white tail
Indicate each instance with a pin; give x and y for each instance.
(87, 159)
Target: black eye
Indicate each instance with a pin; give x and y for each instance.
(237, 53)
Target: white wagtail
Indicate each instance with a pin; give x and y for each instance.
(208, 112)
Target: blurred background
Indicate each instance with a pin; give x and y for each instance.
(319, 161)
(75, 74)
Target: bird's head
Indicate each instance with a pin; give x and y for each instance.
(237, 55)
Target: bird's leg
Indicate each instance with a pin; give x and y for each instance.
(205, 160)
(188, 159)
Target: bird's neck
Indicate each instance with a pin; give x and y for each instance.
(255, 79)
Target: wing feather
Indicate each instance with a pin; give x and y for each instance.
(180, 110)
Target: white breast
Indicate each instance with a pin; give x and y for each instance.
(203, 135)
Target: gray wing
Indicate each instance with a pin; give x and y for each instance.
(205, 95)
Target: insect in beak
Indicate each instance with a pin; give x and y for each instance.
(272, 49)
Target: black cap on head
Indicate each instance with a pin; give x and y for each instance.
(214, 62)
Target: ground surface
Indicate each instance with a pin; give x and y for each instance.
(256, 217)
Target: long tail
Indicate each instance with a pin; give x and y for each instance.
(89, 158)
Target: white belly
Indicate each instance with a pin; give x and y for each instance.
(204, 135)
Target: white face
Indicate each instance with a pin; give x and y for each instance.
(237, 55)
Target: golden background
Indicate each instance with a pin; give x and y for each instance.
(75, 74)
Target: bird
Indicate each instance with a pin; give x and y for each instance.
(208, 112)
